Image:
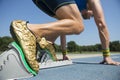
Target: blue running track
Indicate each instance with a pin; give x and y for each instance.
(82, 69)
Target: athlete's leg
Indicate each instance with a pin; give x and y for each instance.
(41, 5)
(70, 23)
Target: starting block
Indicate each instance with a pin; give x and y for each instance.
(46, 61)
(13, 64)
(52, 64)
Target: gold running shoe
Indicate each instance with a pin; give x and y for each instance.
(44, 44)
(27, 41)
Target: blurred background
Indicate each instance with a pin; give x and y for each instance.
(26, 10)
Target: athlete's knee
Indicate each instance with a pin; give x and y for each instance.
(78, 27)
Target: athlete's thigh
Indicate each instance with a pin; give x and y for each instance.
(69, 11)
(62, 8)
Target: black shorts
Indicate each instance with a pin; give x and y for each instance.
(50, 6)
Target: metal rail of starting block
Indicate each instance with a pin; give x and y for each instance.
(47, 62)
(14, 66)
(51, 64)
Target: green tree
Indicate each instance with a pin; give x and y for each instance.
(0, 41)
(4, 41)
(115, 46)
(57, 48)
(72, 46)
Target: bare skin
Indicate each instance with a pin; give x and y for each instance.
(69, 22)
(94, 8)
(63, 46)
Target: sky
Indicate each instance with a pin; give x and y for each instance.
(26, 10)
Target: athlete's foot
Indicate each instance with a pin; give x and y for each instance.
(109, 61)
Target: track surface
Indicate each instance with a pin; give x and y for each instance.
(81, 69)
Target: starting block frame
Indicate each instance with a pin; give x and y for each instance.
(13, 64)
(52, 64)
